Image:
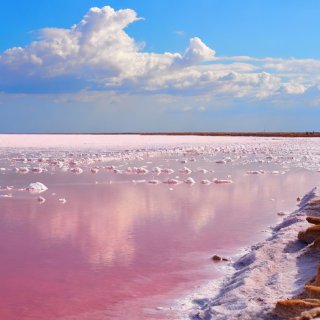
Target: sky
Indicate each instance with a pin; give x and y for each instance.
(157, 66)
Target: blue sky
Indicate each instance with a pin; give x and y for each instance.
(206, 65)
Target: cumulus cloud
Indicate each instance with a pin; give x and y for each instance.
(98, 54)
(197, 52)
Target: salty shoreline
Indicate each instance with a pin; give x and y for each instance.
(274, 269)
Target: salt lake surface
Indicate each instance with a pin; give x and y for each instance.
(122, 232)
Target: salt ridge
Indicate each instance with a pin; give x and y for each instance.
(274, 269)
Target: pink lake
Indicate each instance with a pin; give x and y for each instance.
(119, 249)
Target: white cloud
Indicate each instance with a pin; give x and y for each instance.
(197, 52)
(180, 33)
(98, 54)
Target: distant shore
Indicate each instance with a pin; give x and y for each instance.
(242, 134)
(307, 134)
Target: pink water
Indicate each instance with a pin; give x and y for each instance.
(122, 247)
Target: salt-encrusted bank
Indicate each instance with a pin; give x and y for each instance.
(275, 269)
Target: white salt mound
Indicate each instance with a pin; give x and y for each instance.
(185, 170)
(22, 170)
(167, 170)
(36, 187)
(171, 181)
(189, 181)
(156, 170)
(76, 170)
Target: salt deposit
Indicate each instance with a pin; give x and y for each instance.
(139, 181)
(185, 170)
(76, 170)
(171, 181)
(275, 269)
(156, 170)
(222, 181)
(36, 170)
(36, 187)
(110, 168)
(94, 170)
(190, 181)
(255, 172)
(154, 181)
(167, 171)
(135, 170)
(6, 196)
(22, 170)
(41, 199)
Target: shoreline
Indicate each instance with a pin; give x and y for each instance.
(276, 269)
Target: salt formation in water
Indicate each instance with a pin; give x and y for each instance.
(167, 170)
(255, 172)
(36, 187)
(110, 168)
(154, 181)
(205, 182)
(62, 200)
(222, 181)
(185, 170)
(156, 170)
(139, 181)
(94, 170)
(7, 188)
(172, 181)
(76, 170)
(22, 170)
(36, 170)
(41, 199)
(190, 181)
(136, 170)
